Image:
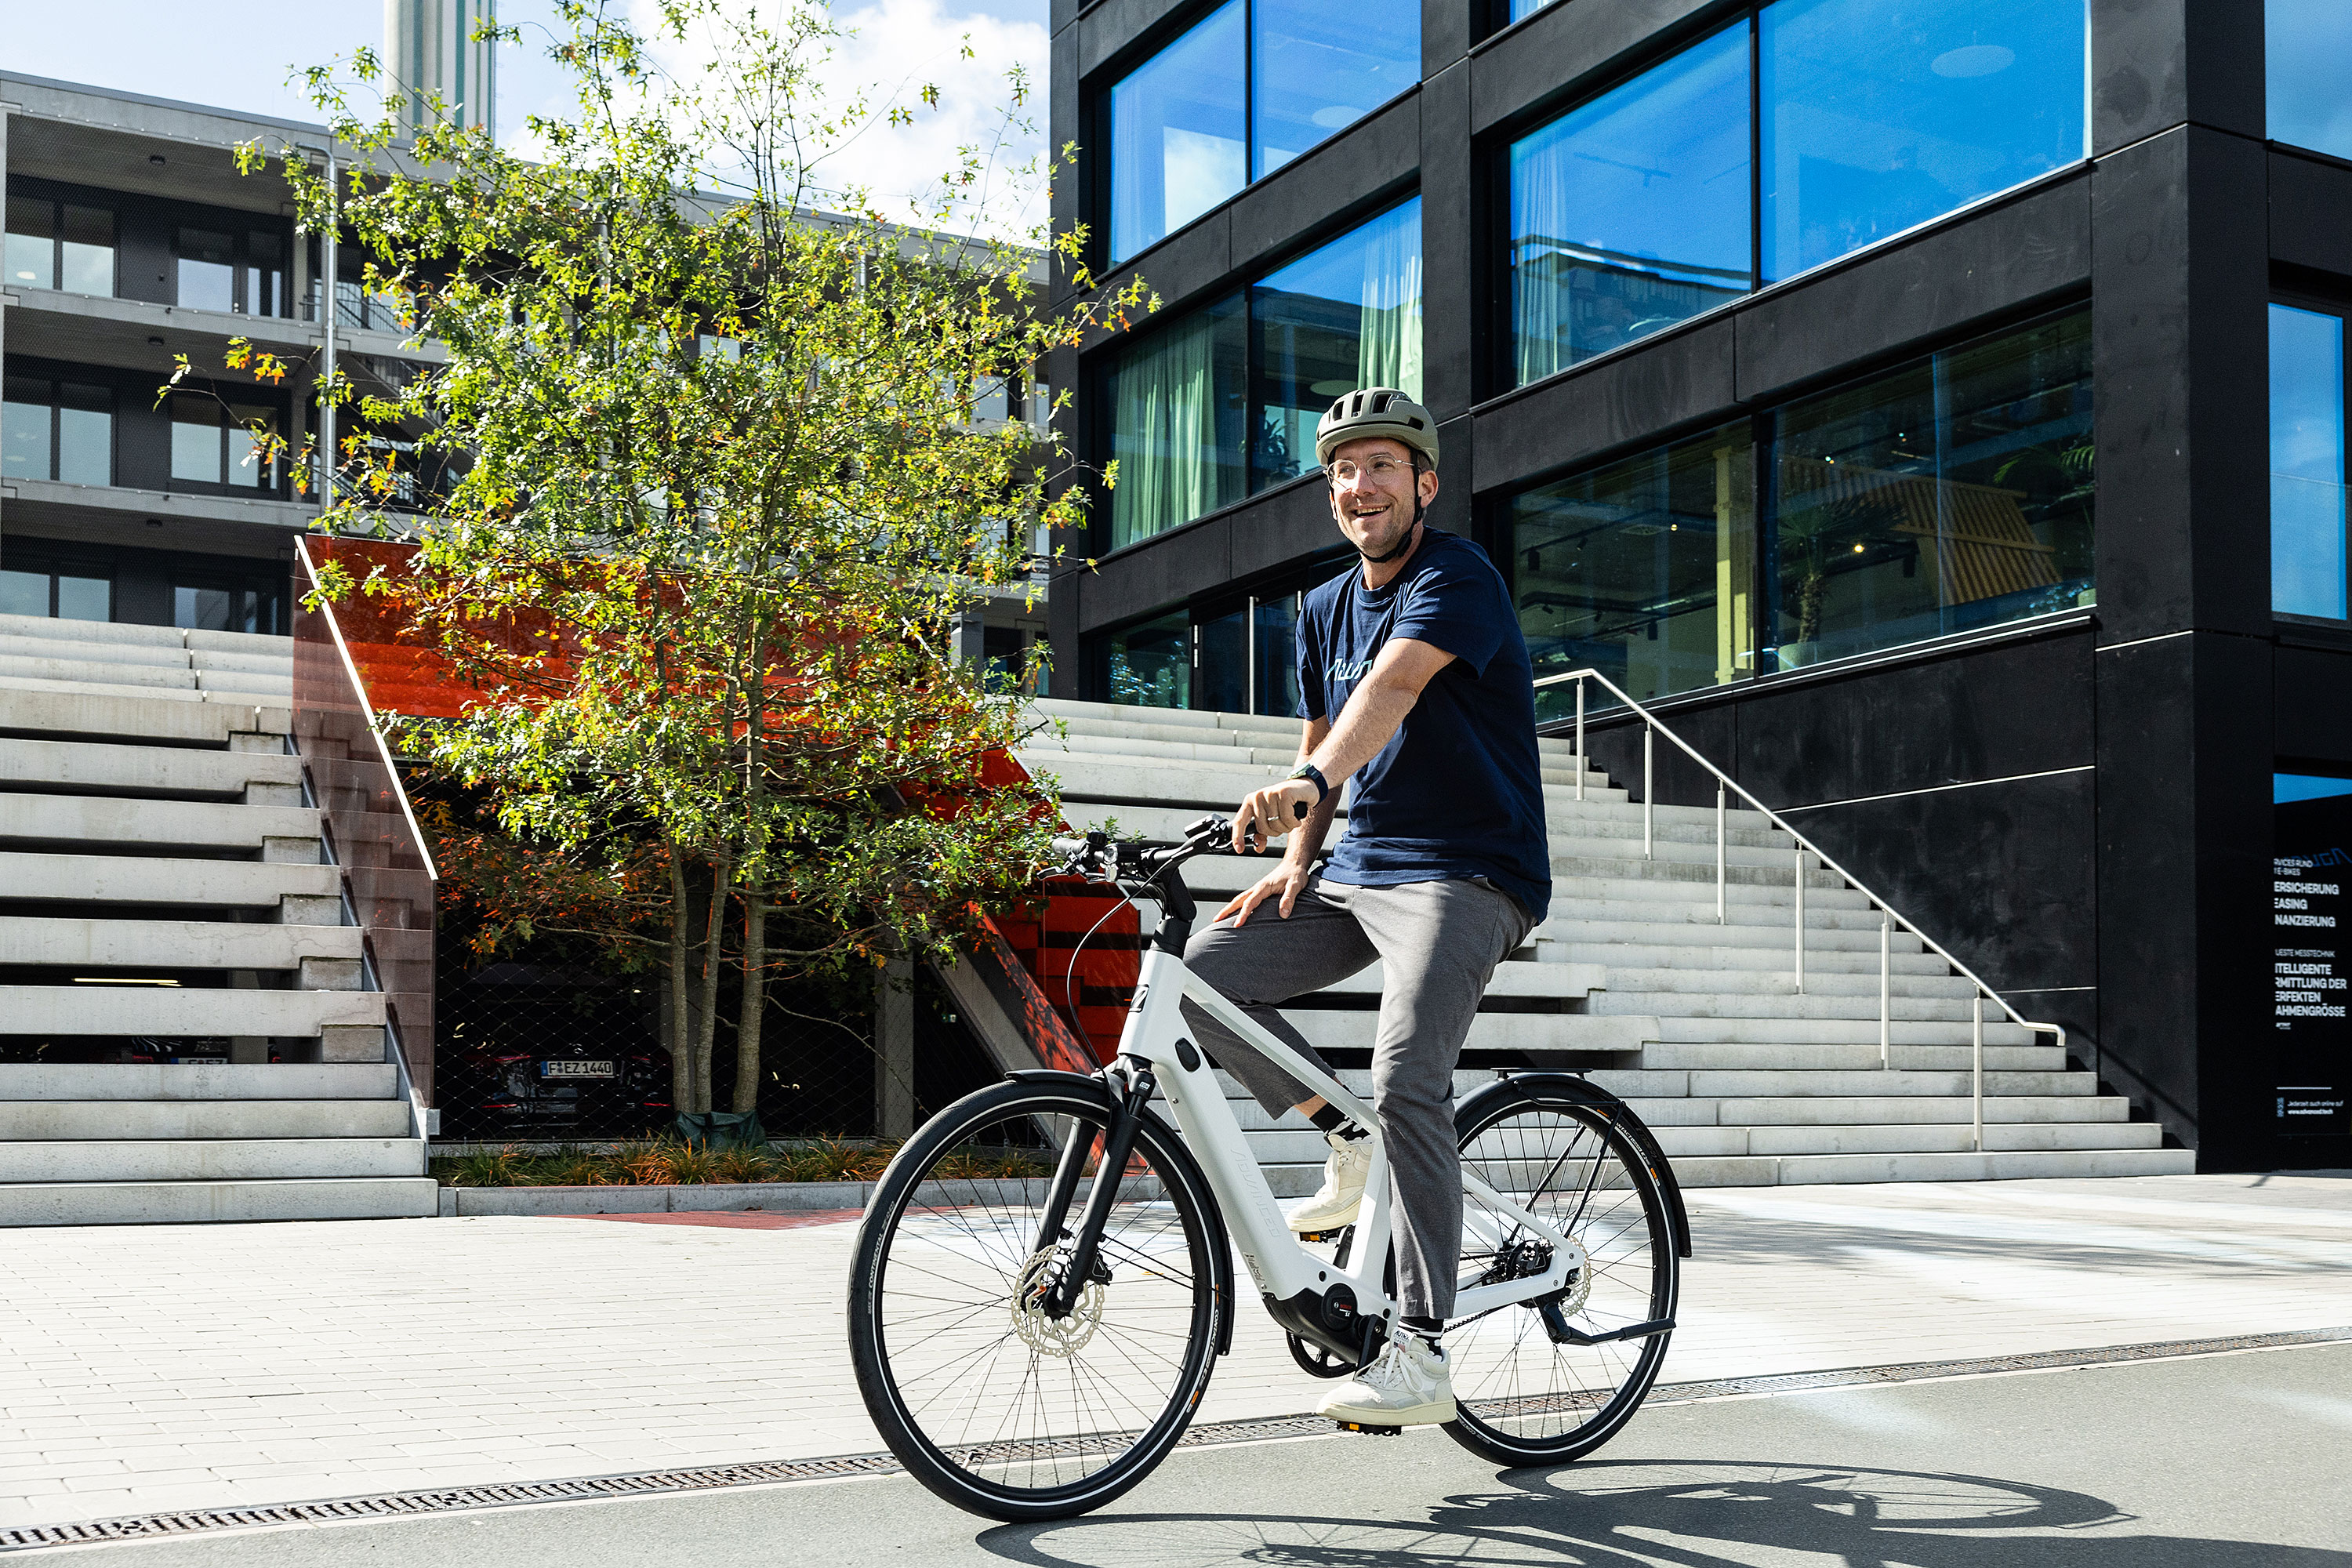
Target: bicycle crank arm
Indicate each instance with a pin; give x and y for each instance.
(1555, 1324)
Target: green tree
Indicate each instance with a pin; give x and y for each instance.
(701, 490)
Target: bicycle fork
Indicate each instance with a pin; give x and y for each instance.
(1117, 1143)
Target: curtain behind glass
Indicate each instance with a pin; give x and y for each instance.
(1881, 114)
(1632, 213)
(1345, 316)
(1179, 139)
(2307, 493)
(1177, 459)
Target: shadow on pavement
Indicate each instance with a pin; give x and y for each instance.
(1696, 1515)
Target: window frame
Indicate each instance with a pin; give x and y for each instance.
(2341, 311)
(1759, 659)
(241, 230)
(55, 404)
(1098, 187)
(57, 205)
(1099, 376)
(1493, 368)
(274, 490)
(54, 566)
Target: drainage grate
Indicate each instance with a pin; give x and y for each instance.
(647, 1483)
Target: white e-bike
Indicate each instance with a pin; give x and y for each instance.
(1045, 1278)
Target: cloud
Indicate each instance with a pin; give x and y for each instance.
(891, 51)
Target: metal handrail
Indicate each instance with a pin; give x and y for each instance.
(1889, 917)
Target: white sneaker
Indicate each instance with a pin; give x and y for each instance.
(1409, 1386)
(1335, 1204)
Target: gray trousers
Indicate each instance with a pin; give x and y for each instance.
(1438, 944)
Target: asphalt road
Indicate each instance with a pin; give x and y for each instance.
(2226, 1461)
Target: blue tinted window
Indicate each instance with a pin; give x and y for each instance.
(2308, 564)
(1880, 114)
(1949, 495)
(1346, 316)
(1632, 213)
(1179, 133)
(1319, 66)
(1176, 422)
(2309, 59)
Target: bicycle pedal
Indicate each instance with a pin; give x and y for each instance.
(1368, 1431)
(1322, 1236)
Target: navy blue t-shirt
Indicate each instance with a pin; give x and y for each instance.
(1456, 793)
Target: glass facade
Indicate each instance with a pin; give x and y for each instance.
(2307, 492)
(56, 430)
(1881, 114)
(1223, 401)
(2309, 59)
(1237, 655)
(1180, 132)
(1644, 570)
(1632, 213)
(1640, 208)
(216, 446)
(1319, 66)
(65, 594)
(1239, 94)
(1951, 494)
(58, 245)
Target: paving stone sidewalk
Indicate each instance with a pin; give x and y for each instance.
(153, 1369)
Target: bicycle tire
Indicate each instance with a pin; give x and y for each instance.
(1522, 1397)
(1073, 1431)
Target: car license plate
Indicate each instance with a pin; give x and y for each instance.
(576, 1069)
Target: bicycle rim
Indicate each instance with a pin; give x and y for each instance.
(1524, 1399)
(991, 1405)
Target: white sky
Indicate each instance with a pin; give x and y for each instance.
(239, 57)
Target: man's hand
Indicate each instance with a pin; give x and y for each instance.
(1286, 880)
(1270, 812)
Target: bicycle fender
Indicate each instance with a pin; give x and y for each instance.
(1568, 1086)
(1221, 1251)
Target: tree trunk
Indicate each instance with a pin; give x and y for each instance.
(755, 1000)
(713, 962)
(679, 1012)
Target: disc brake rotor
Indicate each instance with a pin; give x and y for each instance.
(1046, 1334)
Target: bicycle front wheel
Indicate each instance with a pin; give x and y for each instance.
(1527, 1393)
(991, 1402)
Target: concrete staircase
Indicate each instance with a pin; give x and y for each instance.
(183, 1035)
(1697, 1022)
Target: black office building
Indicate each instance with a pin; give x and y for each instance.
(1934, 410)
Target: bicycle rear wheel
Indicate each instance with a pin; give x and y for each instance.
(1527, 1394)
(988, 1401)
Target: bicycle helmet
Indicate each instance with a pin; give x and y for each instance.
(1377, 411)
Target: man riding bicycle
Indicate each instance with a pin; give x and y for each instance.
(1415, 681)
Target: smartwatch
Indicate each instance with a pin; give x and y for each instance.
(1314, 776)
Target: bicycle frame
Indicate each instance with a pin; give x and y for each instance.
(1280, 1264)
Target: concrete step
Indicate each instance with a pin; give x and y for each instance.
(1869, 1111)
(1647, 928)
(1331, 1029)
(231, 689)
(177, 944)
(159, 880)
(288, 833)
(134, 714)
(17, 645)
(1689, 961)
(1632, 877)
(197, 1081)
(117, 634)
(1687, 1030)
(1521, 978)
(198, 1202)
(170, 1011)
(1094, 716)
(31, 1120)
(1581, 915)
(1860, 1058)
(1812, 1006)
(1258, 762)
(1748, 984)
(1091, 777)
(253, 778)
(209, 1158)
(1946, 1138)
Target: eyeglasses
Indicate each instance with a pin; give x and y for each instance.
(1383, 471)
